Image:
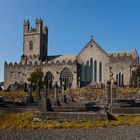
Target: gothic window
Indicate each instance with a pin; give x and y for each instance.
(88, 75)
(91, 69)
(117, 79)
(95, 70)
(66, 78)
(85, 73)
(49, 79)
(12, 74)
(100, 71)
(122, 79)
(82, 79)
(31, 45)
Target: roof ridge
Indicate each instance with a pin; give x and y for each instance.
(91, 40)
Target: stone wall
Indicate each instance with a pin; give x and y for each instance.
(20, 72)
(122, 67)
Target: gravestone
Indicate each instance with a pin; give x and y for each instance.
(56, 100)
(45, 103)
(110, 90)
(30, 98)
(43, 100)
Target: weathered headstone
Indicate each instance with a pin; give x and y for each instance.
(45, 104)
(56, 100)
(30, 98)
(44, 99)
(110, 90)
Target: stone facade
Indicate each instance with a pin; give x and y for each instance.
(89, 67)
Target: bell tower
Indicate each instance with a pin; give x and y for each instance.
(35, 40)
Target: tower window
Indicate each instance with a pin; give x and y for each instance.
(12, 74)
(30, 45)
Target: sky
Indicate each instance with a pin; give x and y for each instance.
(114, 25)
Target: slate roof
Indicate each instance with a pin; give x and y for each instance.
(60, 58)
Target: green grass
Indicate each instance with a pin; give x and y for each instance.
(25, 120)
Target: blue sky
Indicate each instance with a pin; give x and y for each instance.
(114, 24)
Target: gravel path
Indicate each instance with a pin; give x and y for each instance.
(110, 133)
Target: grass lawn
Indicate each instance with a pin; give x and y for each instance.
(25, 120)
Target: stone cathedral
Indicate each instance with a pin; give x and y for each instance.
(89, 67)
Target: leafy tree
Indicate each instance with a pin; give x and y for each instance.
(36, 76)
(36, 80)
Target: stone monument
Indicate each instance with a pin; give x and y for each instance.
(110, 90)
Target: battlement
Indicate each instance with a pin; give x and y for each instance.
(39, 28)
(39, 63)
(124, 56)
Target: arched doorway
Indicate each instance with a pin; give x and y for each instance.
(66, 78)
(49, 79)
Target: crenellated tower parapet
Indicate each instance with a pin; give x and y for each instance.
(39, 27)
(35, 42)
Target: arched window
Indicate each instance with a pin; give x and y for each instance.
(122, 80)
(31, 45)
(82, 73)
(85, 73)
(66, 78)
(49, 79)
(91, 69)
(100, 71)
(88, 74)
(117, 79)
(95, 70)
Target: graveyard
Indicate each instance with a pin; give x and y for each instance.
(71, 108)
(38, 104)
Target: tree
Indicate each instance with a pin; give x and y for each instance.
(36, 76)
(36, 80)
(135, 77)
